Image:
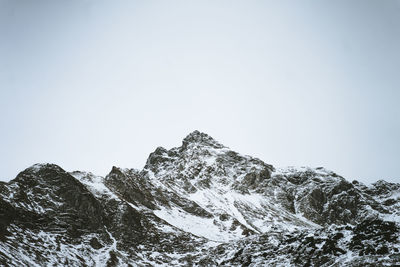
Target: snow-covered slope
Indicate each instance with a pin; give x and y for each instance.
(198, 204)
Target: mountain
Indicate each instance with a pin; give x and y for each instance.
(200, 204)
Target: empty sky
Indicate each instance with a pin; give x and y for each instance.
(92, 84)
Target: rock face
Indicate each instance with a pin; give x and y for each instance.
(200, 204)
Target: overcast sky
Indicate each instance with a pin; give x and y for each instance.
(92, 84)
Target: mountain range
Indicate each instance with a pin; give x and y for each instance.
(200, 204)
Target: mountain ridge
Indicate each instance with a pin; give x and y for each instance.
(199, 204)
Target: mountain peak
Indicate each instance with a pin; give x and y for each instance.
(200, 138)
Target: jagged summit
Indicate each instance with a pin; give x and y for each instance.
(199, 138)
(196, 146)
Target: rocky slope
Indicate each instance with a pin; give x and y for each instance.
(199, 204)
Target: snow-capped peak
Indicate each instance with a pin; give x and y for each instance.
(197, 138)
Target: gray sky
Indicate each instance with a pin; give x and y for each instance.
(92, 84)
